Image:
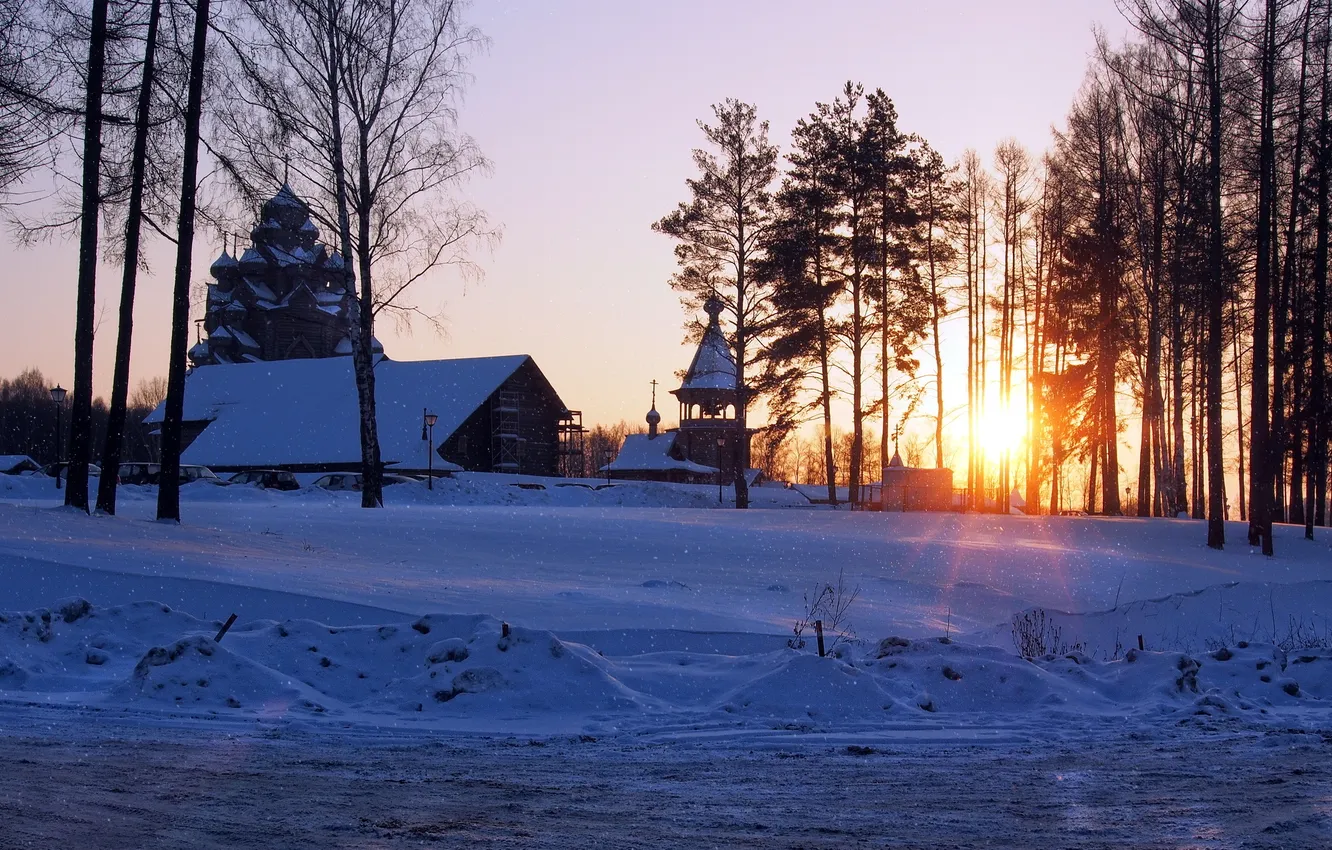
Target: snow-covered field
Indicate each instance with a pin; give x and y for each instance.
(637, 615)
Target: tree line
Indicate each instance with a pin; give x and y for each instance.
(29, 418)
(1165, 257)
(184, 114)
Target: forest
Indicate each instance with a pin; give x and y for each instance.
(1164, 263)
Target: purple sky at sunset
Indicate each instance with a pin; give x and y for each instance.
(588, 111)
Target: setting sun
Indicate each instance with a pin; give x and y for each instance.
(1002, 430)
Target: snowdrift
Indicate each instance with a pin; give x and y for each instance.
(475, 673)
(1292, 617)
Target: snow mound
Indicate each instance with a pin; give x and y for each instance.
(441, 666)
(196, 672)
(804, 688)
(475, 672)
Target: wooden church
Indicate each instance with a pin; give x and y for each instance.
(273, 385)
(287, 296)
(707, 447)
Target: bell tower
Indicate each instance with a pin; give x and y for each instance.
(708, 400)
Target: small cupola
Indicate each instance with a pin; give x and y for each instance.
(653, 417)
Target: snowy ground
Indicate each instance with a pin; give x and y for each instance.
(642, 618)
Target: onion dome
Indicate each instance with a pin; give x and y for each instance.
(224, 262)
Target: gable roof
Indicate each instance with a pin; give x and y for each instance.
(641, 453)
(298, 412)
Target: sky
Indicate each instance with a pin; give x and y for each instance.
(588, 111)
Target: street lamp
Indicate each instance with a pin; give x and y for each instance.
(58, 396)
(428, 431)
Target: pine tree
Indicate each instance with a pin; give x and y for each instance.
(720, 232)
(804, 291)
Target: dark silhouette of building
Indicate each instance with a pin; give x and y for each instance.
(287, 297)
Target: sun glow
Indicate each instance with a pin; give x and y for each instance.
(1002, 430)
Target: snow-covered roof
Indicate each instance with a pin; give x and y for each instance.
(10, 463)
(713, 366)
(290, 412)
(225, 261)
(286, 198)
(260, 289)
(297, 256)
(643, 454)
(244, 339)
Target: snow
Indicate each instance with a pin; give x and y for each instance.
(819, 492)
(285, 197)
(17, 463)
(224, 261)
(315, 403)
(297, 256)
(258, 287)
(245, 340)
(639, 453)
(595, 566)
(648, 637)
(713, 366)
(473, 672)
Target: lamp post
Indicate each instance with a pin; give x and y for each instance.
(428, 421)
(721, 473)
(58, 396)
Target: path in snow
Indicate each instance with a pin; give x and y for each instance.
(162, 788)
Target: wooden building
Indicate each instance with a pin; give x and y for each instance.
(908, 488)
(286, 297)
(495, 414)
(708, 446)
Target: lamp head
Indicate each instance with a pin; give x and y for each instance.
(58, 394)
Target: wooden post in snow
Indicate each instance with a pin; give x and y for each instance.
(227, 625)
